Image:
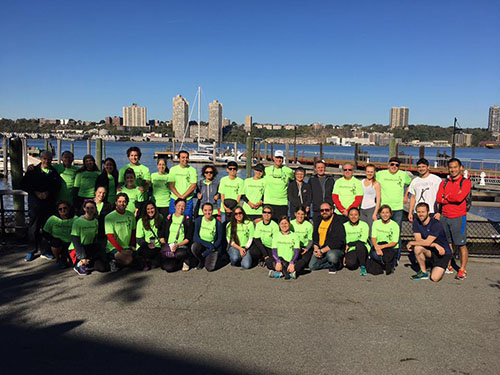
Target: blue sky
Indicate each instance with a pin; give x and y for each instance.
(282, 62)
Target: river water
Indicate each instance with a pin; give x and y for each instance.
(117, 150)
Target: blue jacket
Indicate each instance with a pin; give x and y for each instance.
(218, 235)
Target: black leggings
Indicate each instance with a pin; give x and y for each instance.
(175, 264)
(303, 261)
(96, 254)
(210, 261)
(150, 254)
(356, 257)
(389, 254)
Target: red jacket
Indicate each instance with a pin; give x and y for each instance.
(452, 199)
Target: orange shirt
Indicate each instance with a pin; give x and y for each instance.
(322, 230)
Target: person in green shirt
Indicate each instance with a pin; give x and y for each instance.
(207, 189)
(161, 187)
(179, 235)
(57, 232)
(207, 242)
(239, 234)
(347, 192)
(85, 180)
(277, 177)
(85, 250)
(183, 180)
(303, 229)
(230, 187)
(120, 228)
(385, 237)
(109, 179)
(149, 235)
(67, 171)
(103, 208)
(286, 250)
(253, 193)
(134, 193)
(142, 173)
(356, 238)
(263, 236)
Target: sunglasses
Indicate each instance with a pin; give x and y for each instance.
(267, 212)
(62, 209)
(325, 210)
(238, 213)
(232, 169)
(394, 164)
(209, 172)
(347, 169)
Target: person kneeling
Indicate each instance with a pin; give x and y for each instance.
(286, 249)
(207, 238)
(430, 243)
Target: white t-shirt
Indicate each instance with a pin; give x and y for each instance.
(425, 190)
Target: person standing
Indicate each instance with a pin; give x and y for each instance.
(299, 192)
(253, 193)
(161, 187)
(42, 183)
(277, 177)
(109, 179)
(183, 179)
(371, 196)
(329, 241)
(134, 193)
(230, 187)
(207, 189)
(423, 189)
(322, 187)
(347, 192)
(85, 180)
(452, 195)
(67, 171)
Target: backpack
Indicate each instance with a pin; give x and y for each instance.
(468, 198)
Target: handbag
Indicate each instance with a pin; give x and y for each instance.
(165, 250)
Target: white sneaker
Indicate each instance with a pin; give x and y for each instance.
(449, 270)
(185, 267)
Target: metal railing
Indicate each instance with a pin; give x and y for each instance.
(8, 214)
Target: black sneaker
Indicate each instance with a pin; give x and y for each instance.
(332, 270)
(113, 266)
(81, 270)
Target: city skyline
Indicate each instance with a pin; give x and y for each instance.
(317, 63)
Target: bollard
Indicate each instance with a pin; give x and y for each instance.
(16, 173)
(98, 153)
(5, 155)
(249, 156)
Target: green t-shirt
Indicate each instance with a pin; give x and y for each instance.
(174, 228)
(266, 232)
(99, 207)
(161, 189)
(386, 232)
(207, 230)
(111, 189)
(142, 174)
(182, 178)
(230, 188)
(59, 228)
(84, 229)
(68, 176)
(244, 231)
(347, 190)
(254, 191)
(392, 188)
(85, 181)
(121, 226)
(276, 185)
(303, 231)
(147, 234)
(355, 233)
(134, 195)
(285, 244)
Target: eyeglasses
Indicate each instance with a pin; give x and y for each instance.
(325, 210)
(267, 212)
(232, 169)
(62, 209)
(209, 172)
(394, 164)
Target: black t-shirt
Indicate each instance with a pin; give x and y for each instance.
(435, 229)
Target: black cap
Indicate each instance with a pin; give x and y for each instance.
(232, 164)
(259, 167)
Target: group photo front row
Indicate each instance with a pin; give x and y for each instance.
(278, 219)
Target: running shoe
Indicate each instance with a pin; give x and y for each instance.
(449, 270)
(48, 256)
(461, 274)
(332, 270)
(185, 267)
(293, 275)
(362, 271)
(275, 274)
(81, 270)
(420, 276)
(113, 266)
(29, 257)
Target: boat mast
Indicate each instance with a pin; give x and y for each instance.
(199, 115)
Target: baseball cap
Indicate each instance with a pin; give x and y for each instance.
(279, 154)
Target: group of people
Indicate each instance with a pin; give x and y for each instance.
(171, 219)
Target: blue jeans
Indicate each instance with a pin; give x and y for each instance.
(235, 258)
(397, 216)
(331, 259)
(187, 212)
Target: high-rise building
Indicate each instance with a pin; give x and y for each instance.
(180, 116)
(215, 121)
(226, 122)
(117, 121)
(399, 117)
(108, 120)
(248, 123)
(463, 139)
(494, 119)
(134, 116)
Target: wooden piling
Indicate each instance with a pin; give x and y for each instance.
(89, 149)
(236, 151)
(356, 155)
(5, 155)
(16, 173)
(98, 153)
(321, 150)
(58, 150)
(421, 152)
(249, 156)
(287, 152)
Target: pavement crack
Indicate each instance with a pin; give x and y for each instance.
(198, 298)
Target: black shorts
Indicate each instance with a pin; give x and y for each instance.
(439, 260)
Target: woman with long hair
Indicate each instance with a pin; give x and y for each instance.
(286, 251)
(239, 233)
(161, 187)
(371, 196)
(109, 179)
(134, 193)
(149, 236)
(303, 229)
(85, 179)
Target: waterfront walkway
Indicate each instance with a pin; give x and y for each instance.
(241, 322)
